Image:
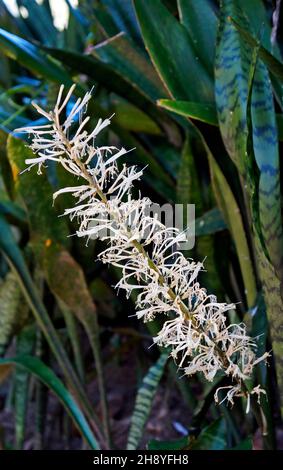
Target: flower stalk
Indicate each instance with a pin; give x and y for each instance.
(146, 251)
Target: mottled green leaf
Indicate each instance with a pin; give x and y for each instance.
(144, 400)
(25, 345)
(273, 64)
(36, 195)
(248, 126)
(13, 314)
(231, 85)
(273, 301)
(232, 90)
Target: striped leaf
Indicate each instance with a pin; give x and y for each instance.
(231, 84)
(272, 287)
(232, 72)
(25, 345)
(247, 122)
(144, 399)
(13, 313)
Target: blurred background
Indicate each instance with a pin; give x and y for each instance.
(200, 99)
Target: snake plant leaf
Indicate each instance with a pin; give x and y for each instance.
(200, 19)
(260, 331)
(231, 84)
(36, 367)
(75, 339)
(271, 284)
(188, 184)
(273, 64)
(144, 400)
(260, 22)
(32, 58)
(232, 89)
(25, 343)
(198, 111)
(175, 58)
(273, 301)
(74, 35)
(266, 153)
(13, 314)
(126, 58)
(67, 282)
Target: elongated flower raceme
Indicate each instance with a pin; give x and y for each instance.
(146, 251)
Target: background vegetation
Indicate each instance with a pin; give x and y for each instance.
(196, 88)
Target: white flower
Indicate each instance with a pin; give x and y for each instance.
(196, 327)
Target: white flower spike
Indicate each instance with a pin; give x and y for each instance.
(195, 329)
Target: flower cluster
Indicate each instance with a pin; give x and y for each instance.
(146, 251)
